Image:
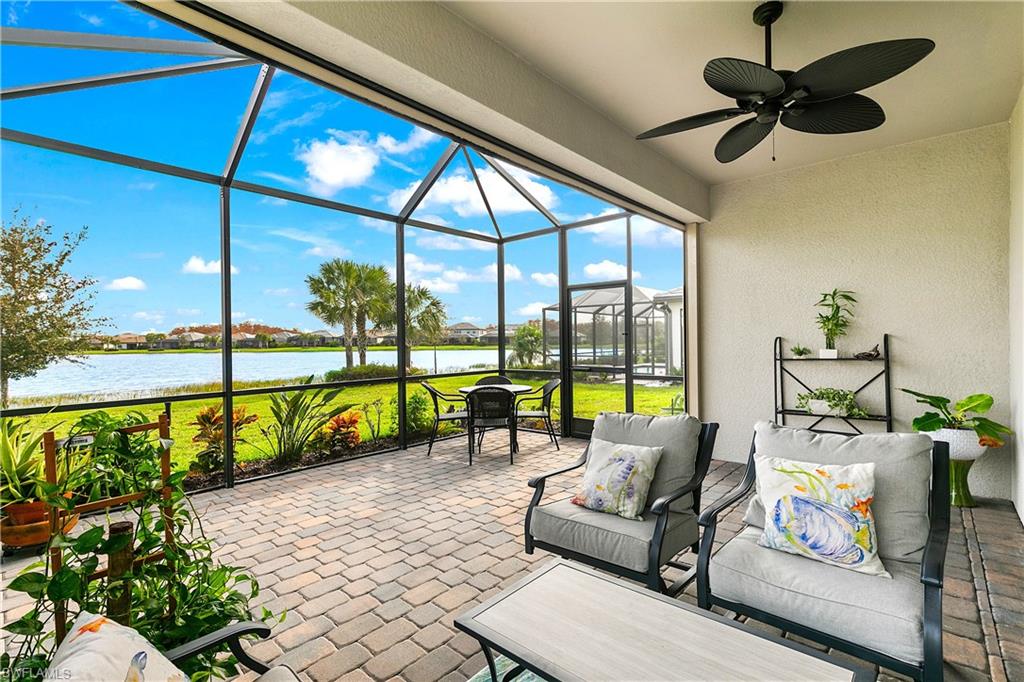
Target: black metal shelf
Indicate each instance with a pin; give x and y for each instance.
(783, 375)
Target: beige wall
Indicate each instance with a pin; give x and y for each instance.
(917, 230)
(1017, 295)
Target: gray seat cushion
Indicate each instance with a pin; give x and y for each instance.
(676, 434)
(884, 615)
(608, 537)
(903, 465)
(279, 673)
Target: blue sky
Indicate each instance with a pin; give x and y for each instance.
(153, 240)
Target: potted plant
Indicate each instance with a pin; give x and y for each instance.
(799, 351)
(968, 433)
(838, 307)
(825, 402)
(25, 522)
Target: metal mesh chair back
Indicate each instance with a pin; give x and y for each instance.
(435, 396)
(494, 380)
(548, 393)
(491, 405)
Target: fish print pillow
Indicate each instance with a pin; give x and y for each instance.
(618, 478)
(822, 512)
(97, 649)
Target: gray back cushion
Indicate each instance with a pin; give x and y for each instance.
(676, 434)
(903, 465)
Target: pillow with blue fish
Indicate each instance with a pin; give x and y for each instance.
(618, 478)
(822, 512)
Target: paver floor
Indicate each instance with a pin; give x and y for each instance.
(372, 560)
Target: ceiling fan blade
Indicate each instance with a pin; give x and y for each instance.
(741, 138)
(849, 114)
(691, 122)
(740, 79)
(856, 68)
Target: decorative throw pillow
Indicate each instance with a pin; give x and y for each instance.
(822, 512)
(617, 478)
(99, 650)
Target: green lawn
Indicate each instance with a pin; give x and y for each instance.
(589, 400)
(284, 349)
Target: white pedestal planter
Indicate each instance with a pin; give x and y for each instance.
(818, 407)
(963, 450)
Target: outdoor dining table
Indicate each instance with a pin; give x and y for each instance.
(515, 389)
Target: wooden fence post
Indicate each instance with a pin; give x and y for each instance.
(119, 600)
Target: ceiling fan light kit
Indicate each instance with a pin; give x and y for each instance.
(821, 98)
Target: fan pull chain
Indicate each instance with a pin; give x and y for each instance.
(773, 145)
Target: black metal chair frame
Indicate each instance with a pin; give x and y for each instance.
(660, 507)
(509, 420)
(932, 563)
(230, 635)
(495, 380)
(547, 392)
(437, 396)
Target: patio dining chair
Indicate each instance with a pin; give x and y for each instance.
(441, 415)
(491, 408)
(542, 411)
(494, 380)
(629, 548)
(895, 622)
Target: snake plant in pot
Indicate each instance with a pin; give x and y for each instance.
(967, 431)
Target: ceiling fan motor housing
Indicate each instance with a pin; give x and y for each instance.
(767, 13)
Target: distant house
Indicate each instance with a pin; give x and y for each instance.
(382, 337)
(186, 340)
(281, 338)
(463, 332)
(100, 342)
(243, 340)
(129, 341)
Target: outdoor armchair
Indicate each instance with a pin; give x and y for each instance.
(232, 636)
(630, 548)
(542, 411)
(440, 415)
(897, 622)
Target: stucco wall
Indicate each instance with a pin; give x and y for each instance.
(1017, 295)
(919, 231)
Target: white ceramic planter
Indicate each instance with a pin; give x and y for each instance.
(828, 353)
(963, 443)
(818, 407)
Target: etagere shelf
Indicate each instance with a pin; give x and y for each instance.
(783, 372)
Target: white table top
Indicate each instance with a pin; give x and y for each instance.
(577, 624)
(511, 388)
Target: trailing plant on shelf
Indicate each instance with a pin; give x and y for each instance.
(965, 414)
(176, 599)
(800, 351)
(838, 307)
(298, 416)
(840, 401)
(210, 423)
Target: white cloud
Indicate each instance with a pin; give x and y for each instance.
(155, 316)
(278, 177)
(439, 241)
(197, 266)
(239, 315)
(645, 232)
(607, 269)
(440, 285)
(188, 312)
(320, 246)
(512, 273)
(142, 186)
(531, 309)
(284, 291)
(273, 201)
(128, 283)
(457, 191)
(90, 19)
(332, 165)
(444, 280)
(311, 114)
(417, 139)
(545, 279)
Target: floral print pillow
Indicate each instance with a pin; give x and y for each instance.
(822, 512)
(617, 478)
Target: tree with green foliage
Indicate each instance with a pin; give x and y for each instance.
(334, 290)
(375, 301)
(426, 318)
(45, 312)
(154, 338)
(527, 346)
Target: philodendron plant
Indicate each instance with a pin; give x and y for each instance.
(838, 306)
(964, 414)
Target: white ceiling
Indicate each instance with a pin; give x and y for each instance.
(642, 64)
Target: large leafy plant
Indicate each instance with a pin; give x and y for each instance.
(205, 594)
(21, 462)
(838, 307)
(298, 417)
(209, 422)
(964, 414)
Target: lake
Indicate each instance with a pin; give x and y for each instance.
(133, 373)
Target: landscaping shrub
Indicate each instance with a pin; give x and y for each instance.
(210, 422)
(340, 431)
(419, 413)
(298, 417)
(370, 371)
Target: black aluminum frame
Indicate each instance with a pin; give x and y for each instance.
(661, 507)
(932, 562)
(231, 55)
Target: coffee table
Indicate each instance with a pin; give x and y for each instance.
(566, 622)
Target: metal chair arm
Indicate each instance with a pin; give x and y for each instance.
(709, 517)
(538, 481)
(661, 504)
(934, 557)
(230, 635)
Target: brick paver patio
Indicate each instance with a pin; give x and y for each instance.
(372, 559)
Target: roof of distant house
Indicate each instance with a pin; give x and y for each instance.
(464, 325)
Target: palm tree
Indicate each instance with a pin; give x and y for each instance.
(334, 291)
(527, 345)
(375, 302)
(425, 318)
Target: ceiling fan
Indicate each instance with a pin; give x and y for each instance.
(819, 98)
